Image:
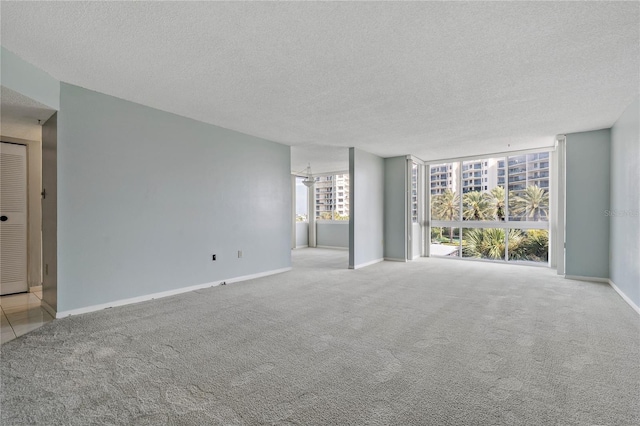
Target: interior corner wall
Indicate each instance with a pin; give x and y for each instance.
(587, 201)
(26, 79)
(332, 233)
(395, 208)
(366, 209)
(302, 234)
(625, 203)
(146, 197)
(50, 212)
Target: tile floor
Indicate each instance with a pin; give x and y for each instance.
(21, 313)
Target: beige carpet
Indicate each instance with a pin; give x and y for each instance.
(432, 342)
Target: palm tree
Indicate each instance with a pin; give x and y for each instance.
(446, 206)
(536, 244)
(496, 201)
(476, 206)
(485, 243)
(532, 204)
(489, 243)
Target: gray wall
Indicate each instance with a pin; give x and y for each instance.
(302, 234)
(24, 78)
(587, 199)
(366, 227)
(332, 234)
(146, 197)
(50, 212)
(625, 203)
(395, 208)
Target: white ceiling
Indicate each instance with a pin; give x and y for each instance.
(432, 79)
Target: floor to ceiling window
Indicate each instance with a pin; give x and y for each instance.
(494, 208)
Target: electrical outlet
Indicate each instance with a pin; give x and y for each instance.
(213, 257)
(239, 254)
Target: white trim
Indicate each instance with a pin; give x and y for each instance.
(362, 265)
(44, 305)
(161, 294)
(560, 211)
(408, 229)
(339, 172)
(394, 259)
(35, 288)
(333, 247)
(258, 275)
(590, 279)
(415, 159)
(299, 247)
(293, 212)
(512, 224)
(625, 297)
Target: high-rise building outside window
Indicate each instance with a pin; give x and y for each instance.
(332, 197)
(509, 195)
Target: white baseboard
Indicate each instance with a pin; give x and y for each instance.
(35, 288)
(393, 259)
(161, 294)
(592, 279)
(258, 275)
(624, 297)
(362, 265)
(611, 283)
(333, 247)
(297, 247)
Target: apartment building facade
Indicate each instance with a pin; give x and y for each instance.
(482, 175)
(332, 196)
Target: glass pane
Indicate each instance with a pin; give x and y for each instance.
(302, 201)
(445, 200)
(342, 197)
(445, 242)
(482, 186)
(414, 193)
(324, 197)
(528, 177)
(483, 243)
(530, 245)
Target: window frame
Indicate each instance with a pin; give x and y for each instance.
(507, 224)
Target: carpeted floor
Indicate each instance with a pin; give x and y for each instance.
(431, 342)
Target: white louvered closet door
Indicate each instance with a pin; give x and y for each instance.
(13, 218)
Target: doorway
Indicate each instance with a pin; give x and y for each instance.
(13, 218)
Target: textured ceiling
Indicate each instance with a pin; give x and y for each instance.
(433, 79)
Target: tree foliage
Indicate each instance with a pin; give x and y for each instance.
(476, 206)
(489, 243)
(532, 204)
